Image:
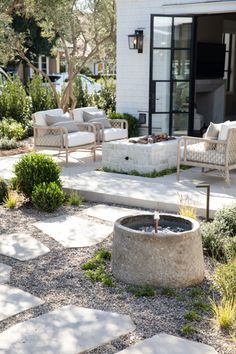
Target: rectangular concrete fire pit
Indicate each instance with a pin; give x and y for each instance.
(121, 155)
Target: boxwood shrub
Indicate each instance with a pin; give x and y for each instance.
(47, 196)
(3, 190)
(34, 169)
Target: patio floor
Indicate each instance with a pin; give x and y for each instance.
(161, 193)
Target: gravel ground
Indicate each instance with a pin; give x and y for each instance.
(57, 279)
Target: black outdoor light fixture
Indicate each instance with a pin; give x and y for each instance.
(208, 188)
(136, 40)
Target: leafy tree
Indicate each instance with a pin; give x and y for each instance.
(83, 29)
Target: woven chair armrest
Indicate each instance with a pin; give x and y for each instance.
(195, 140)
(61, 130)
(121, 123)
(87, 126)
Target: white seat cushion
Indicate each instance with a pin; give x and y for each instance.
(114, 134)
(40, 117)
(74, 139)
(80, 138)
(199, 153)
(77, 113)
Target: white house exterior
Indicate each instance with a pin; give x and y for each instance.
(137, 73)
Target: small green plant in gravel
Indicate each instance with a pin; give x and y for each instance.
(11, 200)
(74, 199)
(201, 305)
(225, 280)
(195, 292)
(192, 316)
(142, 291)
(3, 190)
(168, 291)
(95, 268)
(188, 329)
(225, 313)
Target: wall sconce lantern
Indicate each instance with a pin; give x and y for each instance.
(136, 41)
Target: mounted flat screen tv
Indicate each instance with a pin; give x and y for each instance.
(210, 60)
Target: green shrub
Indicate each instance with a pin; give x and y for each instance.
(34, 169)
(11, 200)
(82, 97)
(14, 102)
(132, 122)
(192, 316)
(217, 241)
(41, 95)
(225, 280)
(226, 216)
(47, 196)
(6, 144)
(11, 129)
(3, 190)
(106, 98)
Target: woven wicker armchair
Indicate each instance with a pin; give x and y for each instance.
(57, 138)
(208, 154)
(118, 130)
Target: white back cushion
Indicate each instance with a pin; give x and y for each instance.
(40, 117)
(77, 113)
(225, 128)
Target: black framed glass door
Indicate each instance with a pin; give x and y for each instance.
(171, 74)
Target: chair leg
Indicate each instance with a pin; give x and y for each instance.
(178, 166)
(227, 177)
(203, 169)
(67, 156)
(94, 152)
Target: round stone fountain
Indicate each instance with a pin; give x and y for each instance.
(170, 257)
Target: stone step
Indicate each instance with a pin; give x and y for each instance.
(5, 272)
(21, 246)
(166, 344)
(69, 330)
(14, 300)
(75, 231)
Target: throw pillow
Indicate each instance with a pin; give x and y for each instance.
(70, 126)
(50, 120)
(97, 117)
(225, 128)
(212, 132)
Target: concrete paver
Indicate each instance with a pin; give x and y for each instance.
(14, 300)
(21, 246)
(75, 231)
(166, 344)
(69, 330)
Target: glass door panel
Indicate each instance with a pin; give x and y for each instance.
(181, 93)
(161, 64)
(182, 32)
(162, 32)
(162, 97)
(160, 123)
(180, 124)
(181, 65)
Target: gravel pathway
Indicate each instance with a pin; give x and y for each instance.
(57, 279)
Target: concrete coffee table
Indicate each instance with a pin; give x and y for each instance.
(121, 155)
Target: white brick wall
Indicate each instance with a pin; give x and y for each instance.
(133, 68)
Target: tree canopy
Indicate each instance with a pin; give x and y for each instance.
(83, 30)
